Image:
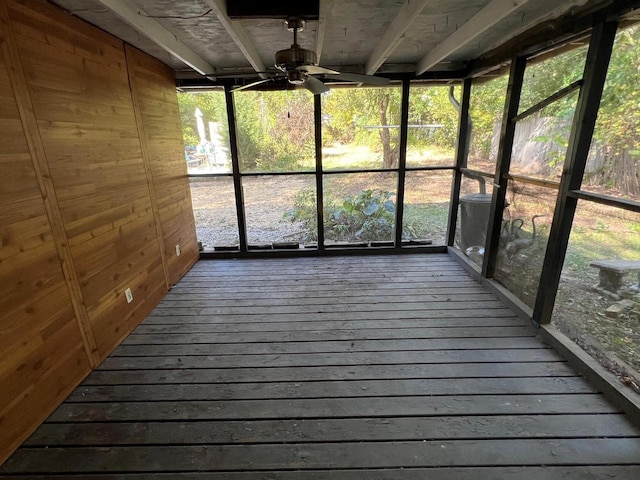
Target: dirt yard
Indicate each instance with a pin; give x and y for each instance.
(269, 197)
(615, 342)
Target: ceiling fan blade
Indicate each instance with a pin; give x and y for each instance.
(231, 73)
(253, 84)
(315, 86)
(315, 70)
(356, 77)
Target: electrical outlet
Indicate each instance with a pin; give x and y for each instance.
(177, 250)
(129, 295)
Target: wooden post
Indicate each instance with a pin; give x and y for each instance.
(402, 160)
(462, 152)
(500, 184)
(235, 163)
(584, 121)
(317, 117)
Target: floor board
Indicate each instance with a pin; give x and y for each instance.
(342, 368)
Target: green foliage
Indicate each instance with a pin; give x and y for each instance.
(544, 78)
(367, 216)
(304, 211)
(249, 134)
(356, 115)
(275, 130)
(541, 80)
(561, 139)
(617, 133)
(619, 116)
(486, 108)
(429, 105)
(276, 133)
(214, 109)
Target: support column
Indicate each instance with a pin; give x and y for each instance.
(500, 183)
(317, 117)
(235, 163)
(584, 121)
(402, 160)
(462, 152)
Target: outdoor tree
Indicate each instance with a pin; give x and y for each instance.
(368, 116)
(275, 129)
(434, 118)
(617, 133)
(213, 107)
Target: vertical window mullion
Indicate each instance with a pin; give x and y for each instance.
(317, 116)
(235, 163)
(584, 121)
(462, 152)
(402, 161)
(507, 133)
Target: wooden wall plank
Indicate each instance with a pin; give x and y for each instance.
(156, 102)
(78, 82)
(79, 221)
(43, 351)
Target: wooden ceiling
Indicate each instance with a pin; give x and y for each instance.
(198, 38)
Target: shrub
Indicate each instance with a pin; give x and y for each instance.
(367, 216)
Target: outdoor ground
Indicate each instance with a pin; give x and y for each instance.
(268, 198)
(615, 342)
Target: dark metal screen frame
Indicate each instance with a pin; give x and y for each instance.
(500, 184)
(584, 121)
(599, 53)
(319, 173)
(235, 163)
(402, 162)
(462, 153)
(591, 88)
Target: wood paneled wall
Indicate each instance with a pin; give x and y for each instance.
(154, 94)
(94, 198)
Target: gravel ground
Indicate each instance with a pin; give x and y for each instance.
(267, 199)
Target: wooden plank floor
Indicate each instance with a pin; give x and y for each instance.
(344, 368)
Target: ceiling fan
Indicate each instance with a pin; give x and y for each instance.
(299, 65)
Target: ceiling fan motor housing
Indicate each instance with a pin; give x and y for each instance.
(294, 57)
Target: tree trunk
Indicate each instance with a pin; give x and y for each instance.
(389, 152)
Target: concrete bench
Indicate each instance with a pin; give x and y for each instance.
(612, 272)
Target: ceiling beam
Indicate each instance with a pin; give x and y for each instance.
(239, 36)
(538, 17)
(571, 26)
(475, 26)
(394, 34)
(325, 9)
(152, 29)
